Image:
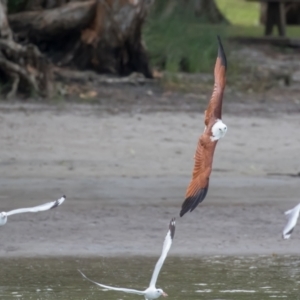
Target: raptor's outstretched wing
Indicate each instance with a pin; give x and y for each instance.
(214, 109)
(198, 187)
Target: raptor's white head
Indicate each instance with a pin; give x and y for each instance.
(3, 218)
(218, 130)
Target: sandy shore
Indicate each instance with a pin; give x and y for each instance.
(125, 176)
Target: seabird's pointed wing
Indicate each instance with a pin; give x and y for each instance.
(292, 216)
(166, 247)
(38, 208)
(131, 291)
(214, 109)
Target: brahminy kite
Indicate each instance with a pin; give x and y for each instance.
(214, 130)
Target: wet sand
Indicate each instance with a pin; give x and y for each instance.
(125, 177)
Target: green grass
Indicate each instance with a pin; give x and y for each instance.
(177, 46)
(240, 12)
(179, 41)
(176, 38)
(258, 31)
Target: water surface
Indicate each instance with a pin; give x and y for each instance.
(214, 278)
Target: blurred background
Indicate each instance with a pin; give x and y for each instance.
(103, 101)
(44, 40)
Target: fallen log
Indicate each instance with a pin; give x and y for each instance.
(101, 35)
(53, 23)
(70, 76)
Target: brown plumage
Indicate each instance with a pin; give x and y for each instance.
(198, 186)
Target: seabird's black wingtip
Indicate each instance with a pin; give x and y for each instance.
(172, 228)
(289, 233)
(58, 202)
(55, 204)
(221, 53)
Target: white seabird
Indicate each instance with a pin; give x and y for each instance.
(43, 207)
(292, 216)
(151, 292)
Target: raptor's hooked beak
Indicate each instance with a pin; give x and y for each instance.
(165, 294)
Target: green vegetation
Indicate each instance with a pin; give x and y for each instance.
(177, 40)
(240, 12)
(177, 46)
(256, 31)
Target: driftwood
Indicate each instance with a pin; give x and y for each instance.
(84, 77)
(49, 24)
(209, 10)
(22, 66)
(101, 35)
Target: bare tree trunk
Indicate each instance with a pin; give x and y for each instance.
(209, 10)
(5, 31)
(292, 11)
(22, 66)
(113, 42)
(263, 12)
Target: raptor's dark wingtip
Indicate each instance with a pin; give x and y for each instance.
(221, 53)
(191, 202)
(183, 212)
(184, 209)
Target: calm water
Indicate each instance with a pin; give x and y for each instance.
(210, 278)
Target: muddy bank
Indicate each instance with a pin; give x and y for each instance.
(125, 176)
